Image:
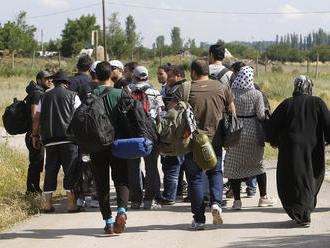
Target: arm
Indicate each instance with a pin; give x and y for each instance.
(35, 131)
(231, 108)
(260, 107)
(33, 110)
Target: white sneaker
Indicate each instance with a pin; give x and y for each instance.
(216, 213)
(81, 203)
(197, 226)
(152, 205)
(237, 205)
(269, 201)
(94, 204)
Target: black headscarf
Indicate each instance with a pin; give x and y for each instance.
(303, 85)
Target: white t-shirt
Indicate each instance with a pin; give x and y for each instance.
(215, 70)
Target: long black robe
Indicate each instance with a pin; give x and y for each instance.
(299, 126)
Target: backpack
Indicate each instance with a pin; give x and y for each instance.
(176, 127)
(15, 118)
(140, 95)
(221, 74)
(91, 125)
(84, 183)
(134, 121)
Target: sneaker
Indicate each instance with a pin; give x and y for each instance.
(216, 213)
(94, 204)
(269, 201)
(166, 202)
(186, 199)
(237, 205)
(305, 224)
(109, 229)
(120, 223)
(250, 193)
(152, 205)
(197, 226)
(81, 203)
(135, 205)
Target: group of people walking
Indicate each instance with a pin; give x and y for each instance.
(299, 127)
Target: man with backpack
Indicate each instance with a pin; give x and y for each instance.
(153, 103)
(171, 165)
(208, 101)
(103, 159)
(217, 70)
(35, 91)
(117, 70)
(54, 114)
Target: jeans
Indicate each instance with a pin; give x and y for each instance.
(194, 176)
(36, 159)
(152, 179)
(251, 185)
(101, 162)
(171, 166)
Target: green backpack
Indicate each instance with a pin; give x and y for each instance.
(175, 130)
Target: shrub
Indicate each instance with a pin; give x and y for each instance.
(277, 68)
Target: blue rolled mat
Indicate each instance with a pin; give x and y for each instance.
(132, 148)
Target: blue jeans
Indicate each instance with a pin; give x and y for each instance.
(251, 185)
(171, 166)
(194, 176)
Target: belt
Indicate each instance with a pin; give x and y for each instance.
(247, 116)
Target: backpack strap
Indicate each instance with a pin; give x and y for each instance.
(106, 91)
(186, 90)
(222, 73)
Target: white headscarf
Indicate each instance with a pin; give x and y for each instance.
(244, 79)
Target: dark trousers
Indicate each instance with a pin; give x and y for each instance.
(262, 184)
(101, 162)
(57, 155)
(152, 179)
(196, 177)
(36, 159)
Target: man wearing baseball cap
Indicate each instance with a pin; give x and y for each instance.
(53, 118)
(117, 78)
(35, 91)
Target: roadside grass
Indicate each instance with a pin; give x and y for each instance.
(14, 205)
(270, 153)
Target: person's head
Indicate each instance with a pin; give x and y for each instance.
(216, 53)
(237, 66)
(61, 77)
(43, 79)
(303, 85)
(140, 74)
(117, 69)
(128, 70)
(162, 73)
(175, 73)
(244, 79)
(84, 63)
(93, 67)
(103, 71)
(199, 68)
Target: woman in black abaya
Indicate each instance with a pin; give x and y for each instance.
(299, 127)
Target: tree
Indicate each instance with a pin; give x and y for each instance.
(116, 38)
(77, 33)
(132, 39)
(176, 40)
(160, 45)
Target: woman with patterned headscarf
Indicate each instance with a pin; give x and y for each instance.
(299, 127)
(245, 160)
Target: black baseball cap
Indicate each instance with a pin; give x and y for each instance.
(43, 74)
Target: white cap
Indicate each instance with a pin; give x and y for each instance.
(117, 64)
(141, 72)
(93, 67)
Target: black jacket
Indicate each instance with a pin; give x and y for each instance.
(78, 80)
(57, 110)
(35, 93)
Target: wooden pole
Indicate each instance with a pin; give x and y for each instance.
(59, 59)
(13, 59)
(307, 66)
(33, 57)
(104, 32)
(257, 66)
(266, 60)
(317, 65)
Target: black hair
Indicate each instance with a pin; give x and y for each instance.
(165, 67)
(84, 63)
(200, 66)
(237, 66)
(177, 70)
(217, 51)
(103, 71)
(131, 65)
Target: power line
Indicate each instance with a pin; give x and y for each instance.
(219, 12)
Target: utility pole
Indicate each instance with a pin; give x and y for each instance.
(42, 42)
(104, 38)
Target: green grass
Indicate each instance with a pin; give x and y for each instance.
(270, 153)
(14, 205)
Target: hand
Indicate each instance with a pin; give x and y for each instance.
(274, 147)
(227, 149)
(36, 142)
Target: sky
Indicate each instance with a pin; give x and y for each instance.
(227, 24)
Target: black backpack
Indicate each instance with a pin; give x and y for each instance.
(91, 125)
(16, 119)
(84, 184)
(140, 95)
(134, 120)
